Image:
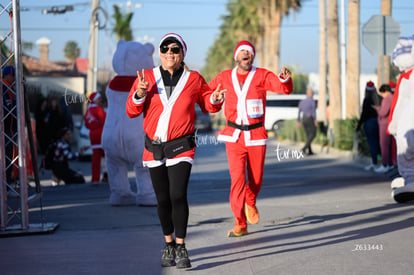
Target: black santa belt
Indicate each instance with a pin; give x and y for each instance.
(245, 127)
(171, 148)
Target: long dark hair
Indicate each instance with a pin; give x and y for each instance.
(372, 96)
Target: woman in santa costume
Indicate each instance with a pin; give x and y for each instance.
(401, 120)
(244, 134)
(166, 96)
(94, 120)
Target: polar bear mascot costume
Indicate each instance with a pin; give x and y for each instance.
(123, 137)
(401, 120)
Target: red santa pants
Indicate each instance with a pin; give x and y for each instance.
(97, 155)
(241, 159)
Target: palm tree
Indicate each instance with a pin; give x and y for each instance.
(122, 24)
(322, 61)
(259, 22)
(334, 68)
(71, 50)
(242, 23)
(353, 61)
(384, 62)
(272, 22)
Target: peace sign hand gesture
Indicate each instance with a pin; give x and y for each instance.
(142, 86)
(218, 95)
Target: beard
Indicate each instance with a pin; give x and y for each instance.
(245, 65)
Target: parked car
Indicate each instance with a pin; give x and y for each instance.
(203, 121)
(280, 108)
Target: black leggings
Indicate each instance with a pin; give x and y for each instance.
(170, 186)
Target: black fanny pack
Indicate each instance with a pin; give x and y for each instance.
(245, 127)
(171, 148)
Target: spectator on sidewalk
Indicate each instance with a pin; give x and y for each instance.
(307, 118)
(61, 157)
(55, 120)
(385, 138)
(41, 117)
(369, 120)
(10, 121)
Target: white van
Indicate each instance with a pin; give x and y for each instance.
(281, 107)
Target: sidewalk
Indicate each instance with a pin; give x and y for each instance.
(319, 215)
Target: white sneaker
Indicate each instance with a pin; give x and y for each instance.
(397, 183)
(381, 169)
(390, 167)
(369, 167)
(403, 194)
(55, 181)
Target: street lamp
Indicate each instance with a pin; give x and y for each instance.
(96, 25)
(57, 9)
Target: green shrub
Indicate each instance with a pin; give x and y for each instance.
(344, 131)
(343, 134)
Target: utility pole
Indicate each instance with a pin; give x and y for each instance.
(343, 61)
(92, 74)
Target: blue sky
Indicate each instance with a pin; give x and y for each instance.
(198, 21)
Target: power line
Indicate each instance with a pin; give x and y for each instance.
(313, 25)
(192, 2)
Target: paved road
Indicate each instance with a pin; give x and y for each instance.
(319, 215)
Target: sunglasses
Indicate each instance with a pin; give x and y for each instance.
(164, 49)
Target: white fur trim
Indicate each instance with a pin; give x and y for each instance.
(98, 95)
(138, 101)
(168, 162)
(283, 80)
(168, 104)
(243, 47)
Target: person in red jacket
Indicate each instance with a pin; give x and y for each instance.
(244, 133)
(166, 96)
(94, 120)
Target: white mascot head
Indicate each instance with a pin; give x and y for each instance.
(131, 56)
(403, 54)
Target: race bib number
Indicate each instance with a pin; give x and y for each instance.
(254, 108)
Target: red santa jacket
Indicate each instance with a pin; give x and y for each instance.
(246, 105)
(170, 118)
(94, 120)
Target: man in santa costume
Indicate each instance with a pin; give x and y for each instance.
(244, 134)
(123, 137)
(401, 120)
(94, 120)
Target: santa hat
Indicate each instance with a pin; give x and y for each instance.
(370, 86)
(94, 96)
(173, 38)
(392, 85)
(244, 45)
